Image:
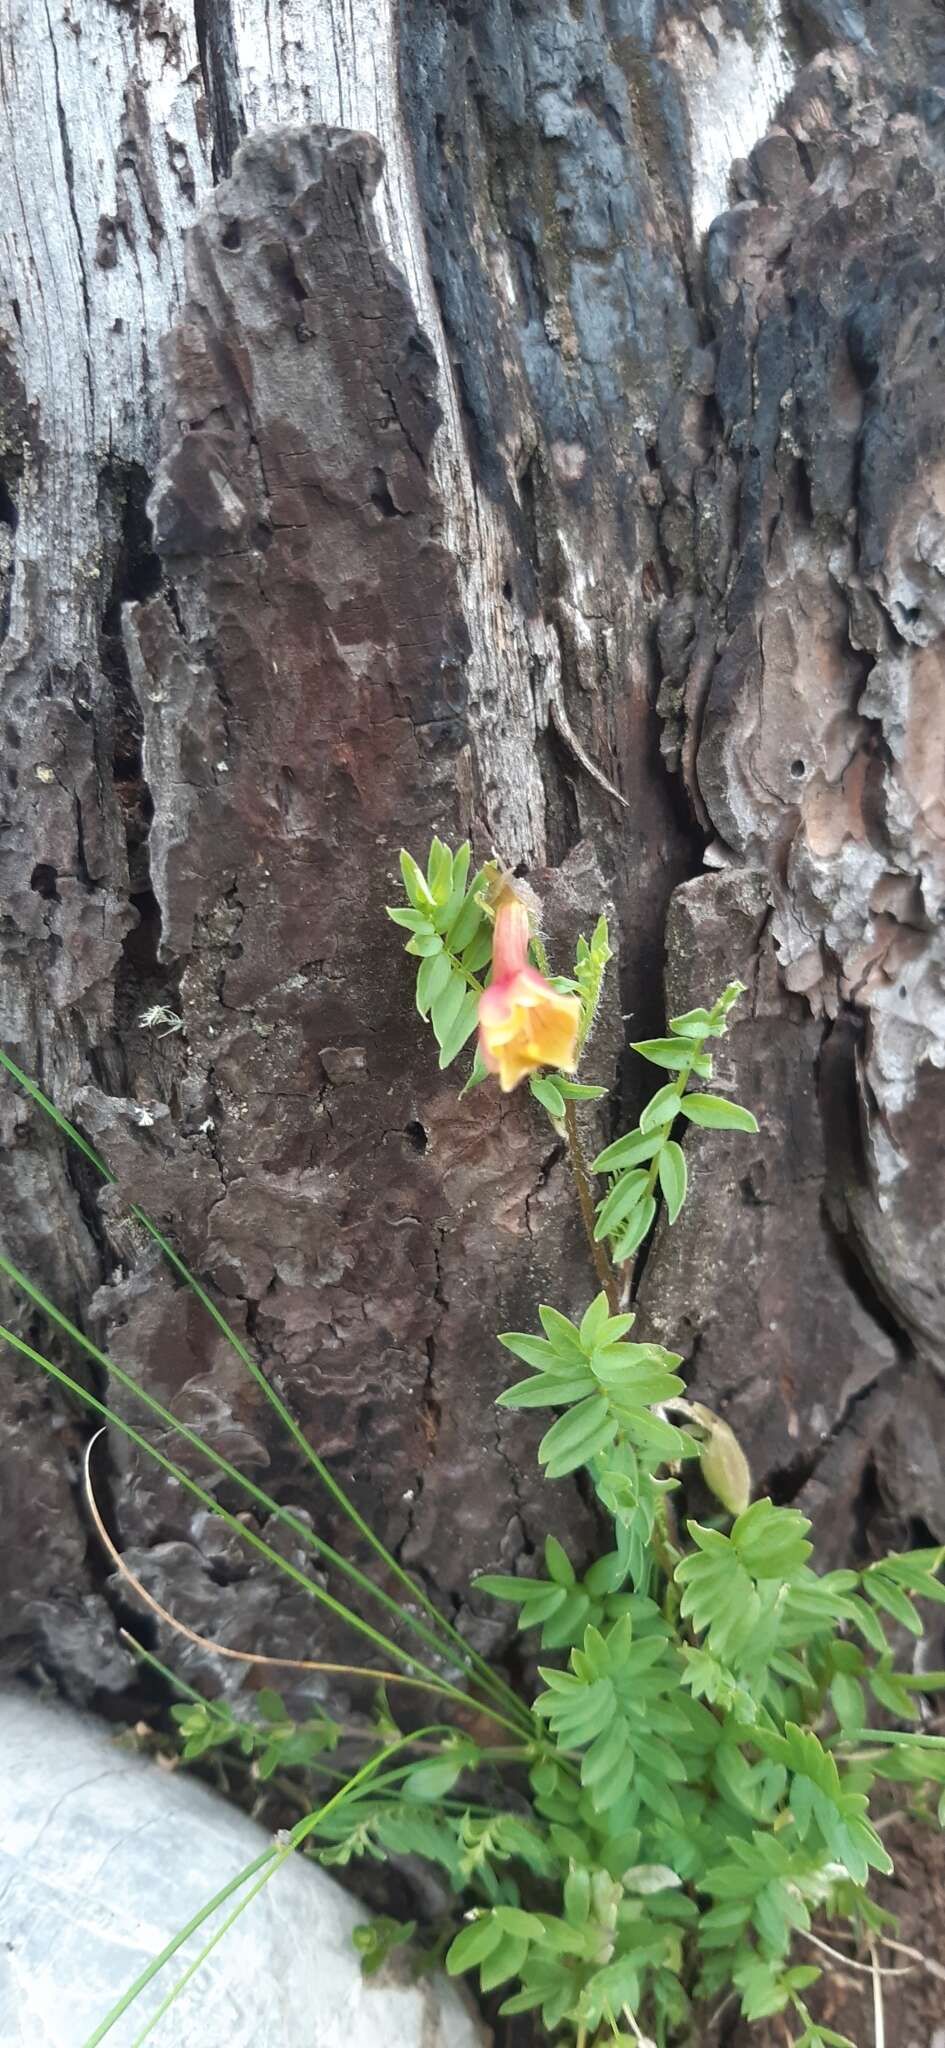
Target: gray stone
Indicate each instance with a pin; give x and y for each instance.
(104, 1857)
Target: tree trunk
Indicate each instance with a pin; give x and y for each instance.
(522, 420)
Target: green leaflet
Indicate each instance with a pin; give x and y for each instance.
(631, 1237)
(548, 1093)
(680, 1053)
(673, 1177)
(589, 967)
(624, 1195)
(662, 1107)
(714, 1113)
(451, 934)
(628, 1151)
(577, 1437)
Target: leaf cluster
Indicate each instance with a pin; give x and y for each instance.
(451, 935)
(274, 1742)
(450, 922)
(698, 1815)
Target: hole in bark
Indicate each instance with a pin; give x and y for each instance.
(232, 236)
(786, 1481)
(285, 790)
(416, 1135)
(562, 817)
(141, 945)
(381, 497)
(798, 768)
(868, 1505)
(216, 45)
(43, 879)
(8, 511)
(137, 568)
(285, 273)
(137, 577)
(650, 580)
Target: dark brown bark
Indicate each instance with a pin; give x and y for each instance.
(678, 533)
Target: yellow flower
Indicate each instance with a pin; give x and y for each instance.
(524, 1023)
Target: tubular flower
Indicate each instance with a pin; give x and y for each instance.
(524, 1023)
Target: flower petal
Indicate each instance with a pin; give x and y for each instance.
(523, 1024)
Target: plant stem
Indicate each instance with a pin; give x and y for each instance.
(667, 1554)
(879, 2020)
(602, 1265)
(471, 979)
(851, 1962)
(314, 1764)
(901, 1948)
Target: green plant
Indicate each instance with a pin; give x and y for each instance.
(694, 1778)
(647, 1161)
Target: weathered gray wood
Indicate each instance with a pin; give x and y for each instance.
(482, 485)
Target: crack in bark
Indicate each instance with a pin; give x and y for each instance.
(69, 172)
(216, 45)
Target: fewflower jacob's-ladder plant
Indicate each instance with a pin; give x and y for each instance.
(692, 1782)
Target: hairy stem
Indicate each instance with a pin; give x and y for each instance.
(472, 980)
(602, 1265)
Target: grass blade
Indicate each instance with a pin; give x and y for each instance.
(268, 1863)
(427, 1682)
(212, 1456)
(468, 1657)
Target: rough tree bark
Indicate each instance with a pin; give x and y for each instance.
(435, 416)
